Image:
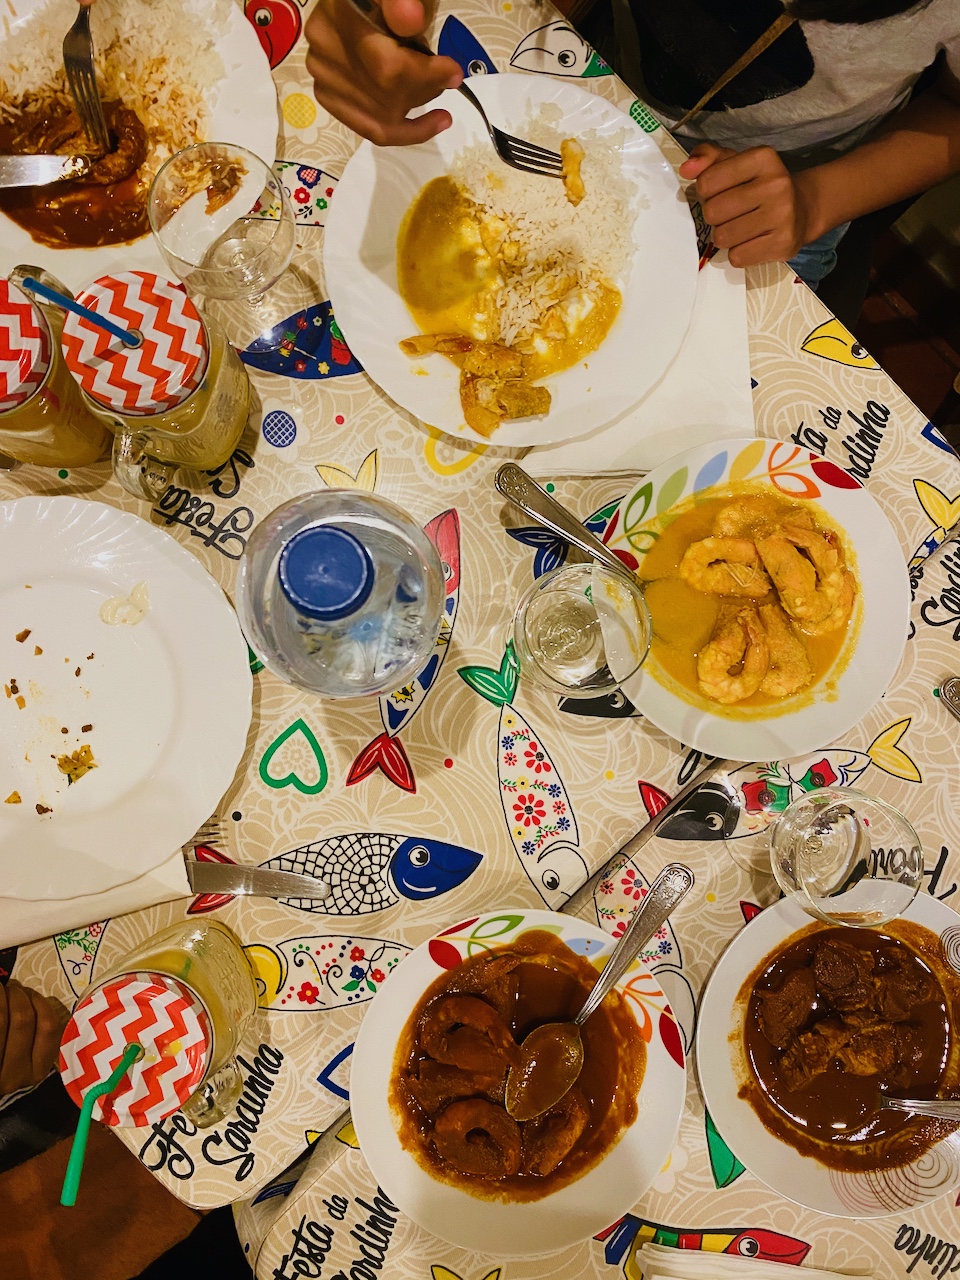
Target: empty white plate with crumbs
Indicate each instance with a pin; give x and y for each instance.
(117, 741)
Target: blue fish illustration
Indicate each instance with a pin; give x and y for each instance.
(556, 49)
(366, 871)
(307, 345)
(458, 42)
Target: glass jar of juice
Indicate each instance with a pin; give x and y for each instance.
(185, 995)
(179, 398)
(43, 419)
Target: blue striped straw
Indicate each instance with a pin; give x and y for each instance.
(126, 336)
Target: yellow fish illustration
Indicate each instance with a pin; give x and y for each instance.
(444, 1273)
(832, 341)
(337, 477)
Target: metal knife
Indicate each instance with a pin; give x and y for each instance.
(40, 171)
(257, 882)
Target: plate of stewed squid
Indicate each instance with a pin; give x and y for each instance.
(778, 592)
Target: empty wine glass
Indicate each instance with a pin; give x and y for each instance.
(581, 631)
(222, 221)
(847, 858)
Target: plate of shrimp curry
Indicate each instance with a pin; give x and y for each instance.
(444, 1135)
(767, 571)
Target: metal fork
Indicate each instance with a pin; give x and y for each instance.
(82, 78)
(512, 151)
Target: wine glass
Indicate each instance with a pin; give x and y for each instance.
(846, 858)
(581, 631)
(224, 225)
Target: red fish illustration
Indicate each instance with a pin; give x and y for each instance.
(277, 24)
(623, 1239)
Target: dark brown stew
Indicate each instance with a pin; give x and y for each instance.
(108, 205)
(840, 1016)
(457, 1046)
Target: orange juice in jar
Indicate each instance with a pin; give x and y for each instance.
(179, 398)
(43, 419)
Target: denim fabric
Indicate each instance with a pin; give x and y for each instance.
(818, 258)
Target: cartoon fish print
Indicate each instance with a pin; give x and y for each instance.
(459, 43)
(397, 709)
(616, 898)
(76, 950)
(366, 871)
(329, 971)
(552, 550)
(831, 341)
(338, 477)
(277, 24)
(758, 793)
(943, 511)
(440, 1272)
(556, 49)
(536, 807)
(307, 345)
(622, 1240)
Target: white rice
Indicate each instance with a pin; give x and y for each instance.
(157, 56)
(592, 240)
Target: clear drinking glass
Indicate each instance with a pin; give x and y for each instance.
(581, 631)
(847, 858)
(224, 225)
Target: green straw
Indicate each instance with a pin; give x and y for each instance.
(71, 1181)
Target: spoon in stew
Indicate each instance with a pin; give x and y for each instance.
(551, 1056)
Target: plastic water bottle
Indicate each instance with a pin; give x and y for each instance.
(341, 592)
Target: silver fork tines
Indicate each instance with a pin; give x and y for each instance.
(82, 79)
(512, 151)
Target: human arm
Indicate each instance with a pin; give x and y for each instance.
(371, 83)
(762, 213)
(30, 1030)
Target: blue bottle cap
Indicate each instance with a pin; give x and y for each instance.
(325, 572)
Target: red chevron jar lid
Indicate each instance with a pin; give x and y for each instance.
(26, 347)
(157, 1012)
(164, 370)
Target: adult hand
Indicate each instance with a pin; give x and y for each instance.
(758, 210)
(368, 81)
(30, 1031)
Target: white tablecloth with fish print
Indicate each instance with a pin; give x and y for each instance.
(410, 805)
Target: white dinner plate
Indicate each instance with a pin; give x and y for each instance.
(168, 699)
(575, 1212)
(801, 1178)
(878, 630)
(360, 242)
(241, 108)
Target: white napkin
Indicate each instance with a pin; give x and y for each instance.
(27, 921)
(705, 394)
(657, 1262)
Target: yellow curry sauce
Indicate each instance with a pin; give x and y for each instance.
(448, 280)
(684, 618)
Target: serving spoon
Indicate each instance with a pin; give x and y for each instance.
(551, 1056)
(939, 1108)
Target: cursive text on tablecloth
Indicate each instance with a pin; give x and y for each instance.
(941, 1256)
(311, 1242)
(241, 1128)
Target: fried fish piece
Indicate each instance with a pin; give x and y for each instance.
(447, 344)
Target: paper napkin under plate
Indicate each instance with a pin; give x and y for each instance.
(705, 394)
(27, 921)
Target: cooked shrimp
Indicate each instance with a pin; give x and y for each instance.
(466, 1032)
(840, 612)
(724, 567)
(807, 570)
(789, 669)
(733, 663)
(550, 1137)
(477, 1136)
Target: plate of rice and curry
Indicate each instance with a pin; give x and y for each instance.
(171, 73)
(506, 307)
(430, 1070)
(778, 593)
(803, 1029)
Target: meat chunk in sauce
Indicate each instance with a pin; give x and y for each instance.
(785, 1012)
(61, 133)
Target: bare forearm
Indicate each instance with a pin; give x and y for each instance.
(912, 152)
